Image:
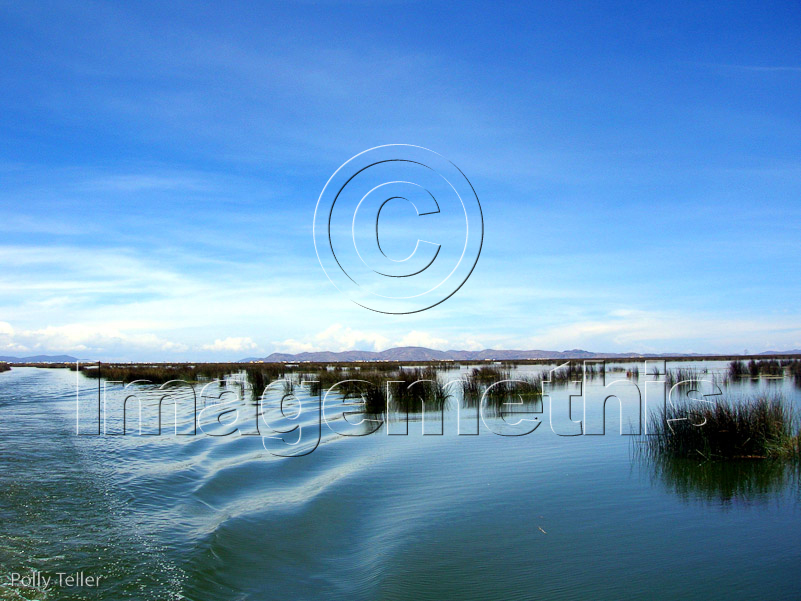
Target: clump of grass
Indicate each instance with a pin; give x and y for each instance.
(771, 367)
(159, 373)
(156, 374)
(445, 365)
(684, 375)
(794, 369)
(500, 386)
(259, 375)
(314, 387)
(255, 377)
(489, 373)
(763, 367)
(759, 428)
(737, 369)
(480, 379)
(574, 371)
(414, 388)
(410, 389)
(4, 367)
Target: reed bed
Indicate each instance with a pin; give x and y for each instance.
(499, 386)
(763, 427)
(684, 375)
(159, 373)
(764, 367)
(4, 367)
(151, 373)
(407, 389)
(259, 376)
(524, 386)
(575, 371)
(480, 379)
(794, 370)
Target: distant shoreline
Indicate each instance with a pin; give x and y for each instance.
(531, 361)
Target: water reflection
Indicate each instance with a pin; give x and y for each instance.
(725, 482)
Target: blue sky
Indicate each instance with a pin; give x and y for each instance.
(638, 166)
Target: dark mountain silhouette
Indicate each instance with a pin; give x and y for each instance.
(418, 353)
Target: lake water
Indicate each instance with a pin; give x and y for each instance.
(537, 516)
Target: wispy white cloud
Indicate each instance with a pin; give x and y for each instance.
(231, 344)
(663, 331)
(85, 338)
(335, 338)
(417, 338)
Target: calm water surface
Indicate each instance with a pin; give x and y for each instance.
(379, 517)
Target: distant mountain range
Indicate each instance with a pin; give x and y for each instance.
(40, 359)
(419, 353)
